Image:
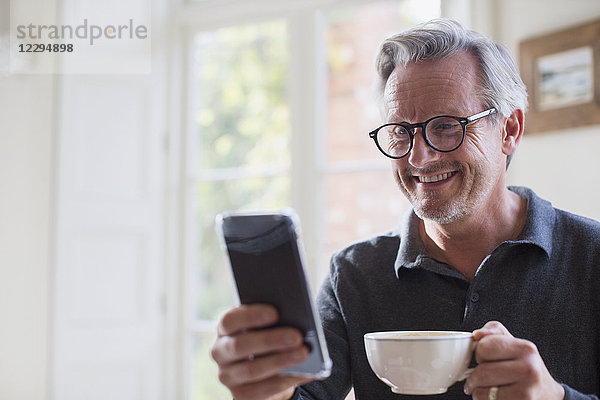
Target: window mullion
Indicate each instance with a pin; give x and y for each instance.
(222, 174)
(307, 114)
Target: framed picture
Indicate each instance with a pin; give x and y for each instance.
(562, 74)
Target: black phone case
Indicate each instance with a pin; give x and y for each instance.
(265, 256)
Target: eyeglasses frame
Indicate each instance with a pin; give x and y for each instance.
(410, 128)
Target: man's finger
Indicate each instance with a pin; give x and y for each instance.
(500, 347)
(229, 349)
(501, 393)
(261, 368)
(500, 373)
(491, 328)
(247, 317)
(268, 388)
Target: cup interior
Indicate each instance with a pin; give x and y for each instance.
(418, 335)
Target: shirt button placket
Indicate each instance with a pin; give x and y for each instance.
(473, 299)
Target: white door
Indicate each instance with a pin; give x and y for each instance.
(107, 278)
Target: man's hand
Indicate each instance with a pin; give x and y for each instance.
(513, 365)
(250, 360)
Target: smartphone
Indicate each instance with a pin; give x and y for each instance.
(266, 257)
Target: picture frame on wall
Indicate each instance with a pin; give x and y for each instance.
(562, 73)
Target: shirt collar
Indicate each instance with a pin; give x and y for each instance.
(539, 224)
(537, 231)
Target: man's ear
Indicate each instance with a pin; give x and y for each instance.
(512, 131)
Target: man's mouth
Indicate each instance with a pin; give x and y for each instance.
(435, 178)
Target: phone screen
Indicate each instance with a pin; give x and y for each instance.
(266, 270)
(267, 266)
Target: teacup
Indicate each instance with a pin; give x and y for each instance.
(420, 362)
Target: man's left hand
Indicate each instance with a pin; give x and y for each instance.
(512, 365)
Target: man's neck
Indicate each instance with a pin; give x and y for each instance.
(464, 244)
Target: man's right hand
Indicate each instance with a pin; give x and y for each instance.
(250, 360)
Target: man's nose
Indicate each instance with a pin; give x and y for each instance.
(421, 153)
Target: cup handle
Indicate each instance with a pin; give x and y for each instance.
(469, 371)
(466, 374)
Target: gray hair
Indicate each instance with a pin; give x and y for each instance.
(500, 84)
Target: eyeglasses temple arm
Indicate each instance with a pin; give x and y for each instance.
(481, 115)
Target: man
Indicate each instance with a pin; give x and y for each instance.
(472, 255)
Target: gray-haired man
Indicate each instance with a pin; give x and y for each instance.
(472, 254)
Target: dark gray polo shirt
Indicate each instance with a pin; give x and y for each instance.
(544, 287)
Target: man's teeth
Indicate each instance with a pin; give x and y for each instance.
(435, 178)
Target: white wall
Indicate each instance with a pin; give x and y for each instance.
(25, 216)
(561, 166)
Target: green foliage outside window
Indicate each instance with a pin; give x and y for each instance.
(243, 114)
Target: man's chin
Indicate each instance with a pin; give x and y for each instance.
(440, 215)
(439, 219)
(429, 205)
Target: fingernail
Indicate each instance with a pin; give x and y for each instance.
(467, 389)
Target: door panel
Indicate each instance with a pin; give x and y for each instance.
(107, 330)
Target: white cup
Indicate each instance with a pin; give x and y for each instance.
(420, 362)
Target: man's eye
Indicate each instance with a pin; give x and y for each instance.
(443, 126)
(446, 127)
(398, 133)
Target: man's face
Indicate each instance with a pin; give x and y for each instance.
(445, 187)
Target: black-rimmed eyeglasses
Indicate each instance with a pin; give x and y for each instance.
(443, 133)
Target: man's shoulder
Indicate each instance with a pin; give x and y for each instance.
(366, 262)
(574, 233)
(560, 219)
(368, 251)
(569, 222)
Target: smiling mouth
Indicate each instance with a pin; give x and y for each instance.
(435, 178)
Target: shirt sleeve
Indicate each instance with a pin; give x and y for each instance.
(339, 383)
(572, 394)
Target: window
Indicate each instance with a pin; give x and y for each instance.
(360, 197)
(251, 81)
(242, 158)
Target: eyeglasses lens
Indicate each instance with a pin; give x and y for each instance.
(394, 140)
(444, 133)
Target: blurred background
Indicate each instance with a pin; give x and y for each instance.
(111, 276)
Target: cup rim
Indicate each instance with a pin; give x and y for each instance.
(413, 335)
